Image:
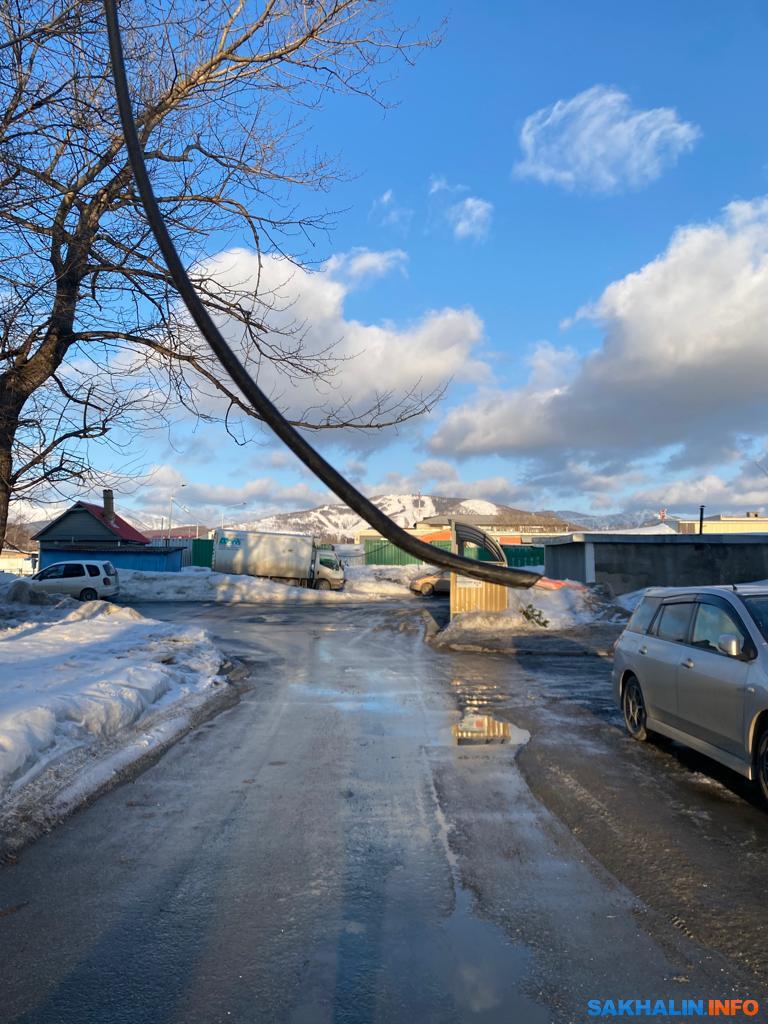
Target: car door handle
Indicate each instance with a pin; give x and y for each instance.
(643, 650)
(687, 663)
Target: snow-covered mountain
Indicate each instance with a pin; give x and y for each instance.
(340, 523)
(612, 521)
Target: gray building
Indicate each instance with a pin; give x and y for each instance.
(626, 562)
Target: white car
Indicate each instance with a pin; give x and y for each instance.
(88, 580)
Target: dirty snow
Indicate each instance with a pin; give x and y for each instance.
(364, 583)
(539, 608)
(72, 674)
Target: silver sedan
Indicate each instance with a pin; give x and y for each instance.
(692, 665)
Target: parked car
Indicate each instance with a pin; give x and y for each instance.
(692, 665)
(432, 583)
(88, 580)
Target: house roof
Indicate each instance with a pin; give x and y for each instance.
(118, 526)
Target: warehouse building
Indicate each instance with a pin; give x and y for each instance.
(624, 562)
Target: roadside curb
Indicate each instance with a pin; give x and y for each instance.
(553, 652)
(49, 801)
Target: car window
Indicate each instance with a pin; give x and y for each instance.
(641, 617)
(672, 623)
(53, 572)
(329, 563)
(109, 569)
(711, 622)
(93, 570)
(72, 569)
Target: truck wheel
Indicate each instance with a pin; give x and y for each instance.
(323, 585)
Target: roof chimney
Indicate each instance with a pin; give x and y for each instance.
(109, 505)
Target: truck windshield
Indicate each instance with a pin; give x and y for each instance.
(330, 563)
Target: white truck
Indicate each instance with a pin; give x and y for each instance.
(284, 557)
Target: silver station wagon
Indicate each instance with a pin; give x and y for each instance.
(692, 665)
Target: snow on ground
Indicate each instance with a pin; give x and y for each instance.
(73, 674)
(539, 608)
(630, 601)
(364, 583)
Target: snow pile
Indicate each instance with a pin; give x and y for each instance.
(364, 583)
(72, 674)
(538, 608)
(630, 601)
(7, 580)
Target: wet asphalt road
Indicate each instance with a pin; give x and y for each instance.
(324, 852)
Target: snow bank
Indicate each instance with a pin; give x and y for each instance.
(630, 601)
(72, 674)
(364, 583)
(542, 607)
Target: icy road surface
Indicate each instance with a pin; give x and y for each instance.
(325, 851)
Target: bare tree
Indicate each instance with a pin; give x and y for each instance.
(91, 334)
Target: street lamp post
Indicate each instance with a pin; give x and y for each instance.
(170, 512)
(239, 504)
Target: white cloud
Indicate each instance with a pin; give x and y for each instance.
(597, 141)
(386, 210)
(471, 218)
(361, 264)
(682, 366)
(206, 501)
(439, 183)
(372, 359)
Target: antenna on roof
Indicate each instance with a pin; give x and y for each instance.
(734, 586)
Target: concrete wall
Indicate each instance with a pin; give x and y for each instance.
(626, 565)
(565, 562)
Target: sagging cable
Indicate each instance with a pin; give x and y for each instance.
(240, 377)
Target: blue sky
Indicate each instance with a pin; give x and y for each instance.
(644, 125)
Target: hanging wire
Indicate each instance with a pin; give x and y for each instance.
(268, 412)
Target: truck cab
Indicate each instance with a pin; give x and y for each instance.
(328, 571)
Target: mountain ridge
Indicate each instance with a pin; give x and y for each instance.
(337, 522)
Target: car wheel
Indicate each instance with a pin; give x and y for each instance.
(427, 590)
(633, 706)
(323, 584)
(761, 767)
(89, 594)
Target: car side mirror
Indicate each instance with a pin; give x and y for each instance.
(729, 644)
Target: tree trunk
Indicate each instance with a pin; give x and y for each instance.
(11, 404)
(5, 488)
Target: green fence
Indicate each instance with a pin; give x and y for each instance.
(517, 555)
(383, 552)
(202, 553)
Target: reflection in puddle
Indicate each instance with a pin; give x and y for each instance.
(476, 694)
(475, 699)
(478, 728)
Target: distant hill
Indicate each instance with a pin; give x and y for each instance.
(339, 523)
(612, 521)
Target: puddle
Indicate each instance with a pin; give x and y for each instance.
(477, 727)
